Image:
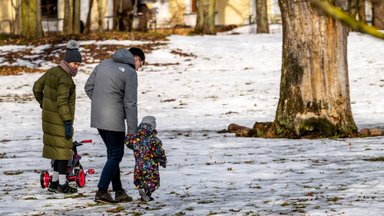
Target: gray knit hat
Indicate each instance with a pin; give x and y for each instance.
(151, 120)
(72, 53)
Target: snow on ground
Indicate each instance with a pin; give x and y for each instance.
(225, 79)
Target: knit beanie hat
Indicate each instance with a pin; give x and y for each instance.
(151, 120)
(72, 53)
(137, 52)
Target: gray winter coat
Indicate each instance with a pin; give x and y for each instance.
(112, 88)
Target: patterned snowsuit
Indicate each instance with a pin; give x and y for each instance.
(149, 153)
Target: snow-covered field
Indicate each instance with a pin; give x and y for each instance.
(228, 79)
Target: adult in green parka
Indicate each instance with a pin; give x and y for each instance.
(56, 93)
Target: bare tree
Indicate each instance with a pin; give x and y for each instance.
(87, 27)
(262, 16)
(71, 17)
(378, 13)
(314, 87)
(31, 26)
(358, 10)
(68, 17)
(123, 11)
(16, 5)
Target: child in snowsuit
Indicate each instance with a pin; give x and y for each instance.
(148, 152)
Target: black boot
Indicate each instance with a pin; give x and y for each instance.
(66, 189)
(53, 186)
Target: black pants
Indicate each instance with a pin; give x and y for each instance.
(60, 166)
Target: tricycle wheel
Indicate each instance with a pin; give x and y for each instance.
(45, 179)
(80, 177)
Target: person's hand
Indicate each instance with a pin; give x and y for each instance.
(68, 129)
(128, 141)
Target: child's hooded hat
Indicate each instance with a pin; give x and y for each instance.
(151, 120)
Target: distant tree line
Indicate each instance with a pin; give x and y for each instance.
(28, 18)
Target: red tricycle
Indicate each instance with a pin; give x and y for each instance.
(75, 171)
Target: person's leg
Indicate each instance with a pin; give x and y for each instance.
(63, 186)
(118, 153)
(55, 178)
(114, 141)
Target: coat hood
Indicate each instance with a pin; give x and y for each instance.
(146, 129)
(123, 56)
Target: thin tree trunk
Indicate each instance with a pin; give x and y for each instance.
(101, 11)
(200, 16)
(16, 5)
(68, 17)
(87, 28)
(314, 88)
(357, 10)
(76, 16)
(262, 16)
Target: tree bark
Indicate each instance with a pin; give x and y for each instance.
(262, 16)
(205, 21)
(31, 26)
(199, 27)
(211, 18)
(378, 13)
(68, 17)
(76, 16)
(314, 87)
(101, 11)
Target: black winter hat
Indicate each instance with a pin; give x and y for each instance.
(72, 53)
(137, 52)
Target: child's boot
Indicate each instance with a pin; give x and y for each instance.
(53, 186)
(66, 189)
(144, 196)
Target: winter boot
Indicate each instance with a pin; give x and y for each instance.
(53, 186)
(144, 196)
(122, 196)
(102, 196)
(66, 189)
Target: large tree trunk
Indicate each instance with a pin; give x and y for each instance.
(262, 16)
(31, 26)
(314, 89)
(205, 21)
(378, 13)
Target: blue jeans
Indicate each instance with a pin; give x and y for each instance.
(114, 141)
